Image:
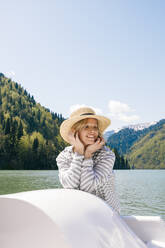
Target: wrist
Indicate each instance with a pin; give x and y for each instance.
(88, 155)
(81, 152)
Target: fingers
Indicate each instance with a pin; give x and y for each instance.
(71, 137)
(96, 146)
(77, 137)
(78, 141)
(100, 140)
(79, 147)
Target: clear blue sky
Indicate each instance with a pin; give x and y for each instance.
(106, 54)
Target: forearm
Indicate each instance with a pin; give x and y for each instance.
(87, 176)
(69, 174)
(91, 175)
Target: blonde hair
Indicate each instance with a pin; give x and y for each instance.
(80, 124)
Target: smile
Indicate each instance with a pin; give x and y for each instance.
(90, 137)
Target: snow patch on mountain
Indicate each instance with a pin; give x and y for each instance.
(136, 127)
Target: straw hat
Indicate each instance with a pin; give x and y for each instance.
(80, 114)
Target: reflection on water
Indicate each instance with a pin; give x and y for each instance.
(19, 181)
(141, 192)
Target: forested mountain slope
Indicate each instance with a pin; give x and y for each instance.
(149, 151)
(29, 133)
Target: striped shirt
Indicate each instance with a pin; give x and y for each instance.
(94, 175)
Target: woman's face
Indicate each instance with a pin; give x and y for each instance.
(89, 133)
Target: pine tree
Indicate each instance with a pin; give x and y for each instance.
(117, 160)
(35, 145)
(39, 115)
(20, 131)
(13, 133)
(0, 98)
(1, 117)
(122, 163)
(7, 126)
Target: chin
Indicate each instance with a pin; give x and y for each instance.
(89, 143)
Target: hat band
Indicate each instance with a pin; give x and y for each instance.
(87, 114)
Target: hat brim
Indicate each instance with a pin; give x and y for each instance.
(66, 125)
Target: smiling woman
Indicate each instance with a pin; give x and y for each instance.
(87, 164)
(88, 130)
(89, 133)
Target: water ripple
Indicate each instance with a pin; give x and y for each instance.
(141, 192)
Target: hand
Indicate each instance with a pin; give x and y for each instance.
(76, 142)
(94, 147)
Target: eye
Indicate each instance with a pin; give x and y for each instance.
(87, 127)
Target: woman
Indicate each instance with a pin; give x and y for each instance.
(87, 164)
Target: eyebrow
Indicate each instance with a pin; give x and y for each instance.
(88, 124)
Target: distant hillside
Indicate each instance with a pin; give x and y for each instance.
(125, 138)
(29, 133)
(135, 127)
(149, 151)
(143, 148)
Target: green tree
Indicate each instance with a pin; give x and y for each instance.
(20, 131)
(0, 98)
(7, 126)
(35, 145)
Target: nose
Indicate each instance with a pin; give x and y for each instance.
(91, 130)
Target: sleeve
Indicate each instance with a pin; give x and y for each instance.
(91, 175)
(69, 170)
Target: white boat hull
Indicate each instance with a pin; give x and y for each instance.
(72, 219)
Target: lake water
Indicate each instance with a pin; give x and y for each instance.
(141, 192)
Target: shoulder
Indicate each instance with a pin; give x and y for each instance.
(68, 149)
(105, 152)
(65, 154)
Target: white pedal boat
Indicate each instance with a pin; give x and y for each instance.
(62, 218)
